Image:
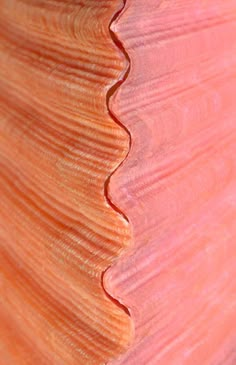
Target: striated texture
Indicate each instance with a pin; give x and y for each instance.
(58, 147)
(178, 185)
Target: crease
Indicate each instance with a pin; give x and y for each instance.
(112, 90)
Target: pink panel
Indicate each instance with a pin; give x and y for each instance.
(178, 185)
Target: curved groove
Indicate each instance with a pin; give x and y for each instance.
(111, 298)
(110, 93)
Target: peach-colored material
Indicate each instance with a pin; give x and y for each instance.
(65, 218)
(178, 185)
(58, 147)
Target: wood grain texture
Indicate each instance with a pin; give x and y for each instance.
(177, 186)
(58, 147)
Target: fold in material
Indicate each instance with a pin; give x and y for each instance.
(118, 200)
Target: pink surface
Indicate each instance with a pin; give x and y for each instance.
(178, 185)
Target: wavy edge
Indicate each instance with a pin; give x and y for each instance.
(110, 93)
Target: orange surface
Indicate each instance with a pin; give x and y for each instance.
(117, 182)
(58, 147)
